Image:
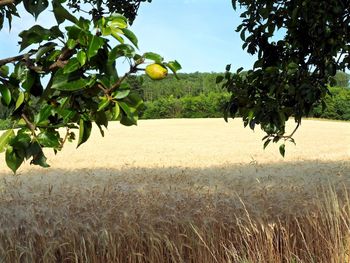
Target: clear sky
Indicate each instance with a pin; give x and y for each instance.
(200, 34)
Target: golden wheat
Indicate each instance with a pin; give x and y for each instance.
(183, 191)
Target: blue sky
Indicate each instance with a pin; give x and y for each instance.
(200, 34)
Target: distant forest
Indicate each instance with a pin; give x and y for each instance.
(195, 95)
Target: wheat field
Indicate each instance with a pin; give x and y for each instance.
(186, 190)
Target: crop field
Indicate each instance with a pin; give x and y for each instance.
(185, 190)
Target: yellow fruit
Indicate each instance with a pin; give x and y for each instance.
(156, 71)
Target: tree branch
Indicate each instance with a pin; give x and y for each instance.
(12, 59)
(6, 2)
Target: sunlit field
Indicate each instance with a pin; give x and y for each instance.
(196, 190)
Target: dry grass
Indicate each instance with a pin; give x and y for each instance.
(183, 191)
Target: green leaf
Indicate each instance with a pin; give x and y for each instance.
(258, 64)
(129, 118)
(20, 71)
(174, 67)
(61, 14)
(122, 50)
(70, 82)
(104, 103)
(56, 33)
(38, 155)
(81, 57)
(40, 159)
(37, 34)
(121, 94)
(66, 114)
(153, 56)
(71, 43)
(84, 23)
(282, 149)
(13, 160)
(94, 45)
(21, 142)
(266, 143)
(131, 36)
(118, 21)
(127, 121)
(116, 111)
(115, 33)
(28, 78)
(252, 124)
(35, 7)
(5, 138)
(134, 100)
(20, 100)
(44, 50)
(101, 119)
(72, 65)
(84, 131)
(50, 139)
(106, 31)
(5, 94)
(9, 10)
(242, 35)
(43, 114)
(4, 70)
(52, 56)
(74, 32)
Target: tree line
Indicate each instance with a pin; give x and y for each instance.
(196, 95)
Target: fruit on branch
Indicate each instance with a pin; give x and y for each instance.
(156, 71)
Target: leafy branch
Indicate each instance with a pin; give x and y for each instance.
(83, 88)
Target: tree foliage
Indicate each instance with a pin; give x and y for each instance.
(67, 78)
(188, 84)
(100, 8)
(205, 105)
(342, 79)
(300, 45)
(96, 8)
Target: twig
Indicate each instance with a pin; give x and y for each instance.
(30, 125)
(291, 135)
(101, 87)
(65, 138)
(133, 69)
